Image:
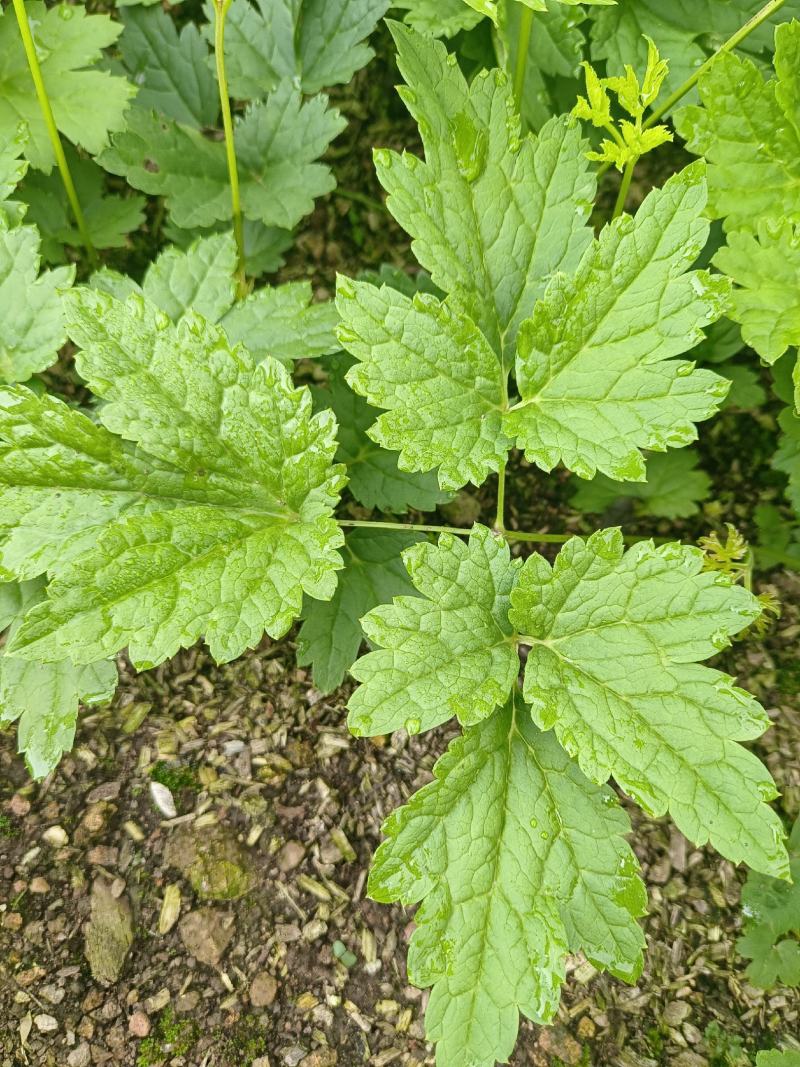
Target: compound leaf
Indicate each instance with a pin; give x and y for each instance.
(86, 104)
(518, 860)
(766, 299)
(171, 69)
(446, 652)
(43, 698)
(771, 937)
(594, 365)
(673, 489)
(749, 131)
(331, 634)
(214, 525)
(278, 141)
(31, 317)
(616, 638)
(435, 374)
(316, 42)
(492, 215)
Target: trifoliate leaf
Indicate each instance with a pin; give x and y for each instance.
(673, 489)
(433, 372)
(492, 215)
(373, 476)
(31, 318)
(214, 526)
(766, 299)
(447, 652)
(43, 698)
(283, 322)
(373, 574)
(594, 365)
(748, 131)
(199, 279)
(787, 455)
(86, 104)
(771, 937)
(438, 18)
(614, 668)
(277, 143)
(109, 218)
(316, 42)
(518, 860)
(170, 69)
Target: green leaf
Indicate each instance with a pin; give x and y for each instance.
(518, 860)
(277, 143)
(374, 478)
(109, 218)
(86, 104)
(43, 698)
(594, 363)
(433, 372)
(771, 937)
(331, 634)
(316, 42)
(778, 1059)
(787, 455)
(446, 652)
(283, 322)
(492, 215)
(263, 245)
(778, 543)
(673, 489)
(766, 300)
(199, 279)
(12, 166)
(170, 69)
(746, 391)
(749, 132)
(438, 18)
(214, 525)
(31, 318)
(614, 668)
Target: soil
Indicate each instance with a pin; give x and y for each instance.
(207, 841)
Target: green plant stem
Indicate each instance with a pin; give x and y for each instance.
(52, 129)
(533, 536)
(499, 522)
(220, 11)
(767, 11)
(523, 44)
(752, 24)
(624, 188)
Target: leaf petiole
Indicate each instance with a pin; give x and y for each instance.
(523, 44)
(52, 129)
(220, 11)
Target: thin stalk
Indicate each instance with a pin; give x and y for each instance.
(533, 536)
(499, 522)
(220, 11)
(767, 11)
(52, 129)
(624, 188)
(735, 39)
(523, 44)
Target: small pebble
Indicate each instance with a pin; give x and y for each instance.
(263, 990)
(80, 1056)
(55, 836)
(290, 856)
(45, 1024)
(19, 806)
(139, 1024)
(163, 799)
(39, 885)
